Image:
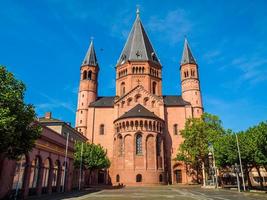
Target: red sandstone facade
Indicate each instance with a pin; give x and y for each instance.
(41, 171)
(139, 126)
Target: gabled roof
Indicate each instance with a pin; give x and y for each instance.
(90, 57)
(138, 111)
(187, 57)
(173, 100)
(103, 102)
(138, 46)
(169, 100)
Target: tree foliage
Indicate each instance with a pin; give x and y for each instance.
(93, 156)
(17, 130)
(198, 134)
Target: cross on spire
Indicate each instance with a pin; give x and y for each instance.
(138, 81)
(137, 10)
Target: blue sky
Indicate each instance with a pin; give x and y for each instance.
(44, 42)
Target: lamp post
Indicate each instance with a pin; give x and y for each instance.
(213, 165)
(236, 171)
(240, 163)
(65, 162)
(80, 178)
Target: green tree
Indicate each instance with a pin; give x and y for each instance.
(94, 157)
(226, 150)
(198, 134)
(253, 145)
(17, 129)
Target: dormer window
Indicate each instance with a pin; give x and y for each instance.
(138, 54)
(153, 56)
(123, 58)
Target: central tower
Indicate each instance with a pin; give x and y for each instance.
(138, 63)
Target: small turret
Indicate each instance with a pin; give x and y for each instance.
(88, 87)
(190, 81)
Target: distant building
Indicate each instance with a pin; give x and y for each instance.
(43, 170)
(61, 127)
(139, 126)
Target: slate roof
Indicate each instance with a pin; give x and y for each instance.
(138, 46)
(90, 57)
(46, 120)
(187, 57)
(169, 100)
(103, 102)
(138, 111)
(173, 100)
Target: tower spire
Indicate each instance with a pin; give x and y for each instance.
(138, 46)
(90, 57)
(187, 57)
(137, 11)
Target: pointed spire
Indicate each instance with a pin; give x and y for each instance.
(138, 46)
(137, 11)
(187, 57)
(90, 57)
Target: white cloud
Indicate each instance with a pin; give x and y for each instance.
(173, 27)
(253, 70)
(53, 103)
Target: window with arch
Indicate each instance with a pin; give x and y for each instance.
(55, 178)
(64, 169)
(152, 104)
(137, 97)
(192, 72)
(154, 87)
(117, 178)
(160, 178)
(90, 75)
(129, 101)
(120, 145)
(46, 172)
(35, 172)
(18, 178)
(122, 88)
(145, 100)
(102, 129)
(138, 144)
(158, 146)
(84, 75)
(138, 178)
(175, 129)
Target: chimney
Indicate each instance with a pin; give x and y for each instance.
(48, 115)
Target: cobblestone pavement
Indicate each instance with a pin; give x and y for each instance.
(160, 193)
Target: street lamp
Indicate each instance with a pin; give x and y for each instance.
(236, 171)
(240, 163)
(214, 169)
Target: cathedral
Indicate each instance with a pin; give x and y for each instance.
(139, 126)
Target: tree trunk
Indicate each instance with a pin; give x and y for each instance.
(259, 173)
(197, 177)
(203, 174)
(248, 177)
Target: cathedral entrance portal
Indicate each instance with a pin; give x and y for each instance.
(178, 176)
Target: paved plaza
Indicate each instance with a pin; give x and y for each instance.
(159, 193)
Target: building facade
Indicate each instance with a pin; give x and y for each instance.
(139, 126)
(46, 169)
